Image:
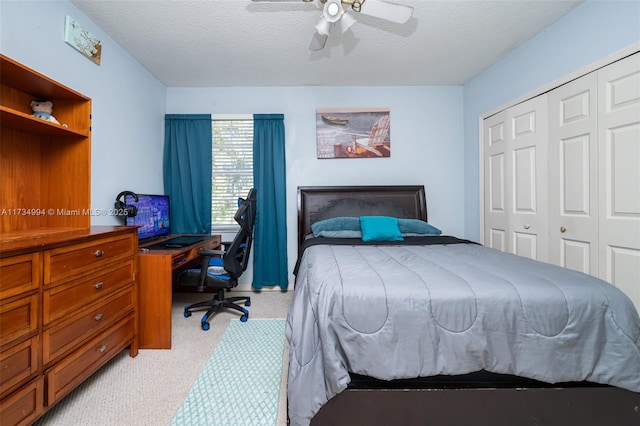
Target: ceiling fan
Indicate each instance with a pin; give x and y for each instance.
(334, 12)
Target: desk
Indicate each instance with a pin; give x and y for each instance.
(157, 269)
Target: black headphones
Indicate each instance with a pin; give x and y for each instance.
(121, 207)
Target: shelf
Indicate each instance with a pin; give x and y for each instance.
(16, 75)
(43, 164)
(17, 120)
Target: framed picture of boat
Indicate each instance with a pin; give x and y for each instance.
(353, 133)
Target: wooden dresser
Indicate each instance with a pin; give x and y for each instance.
(68, 291)
(68, 304)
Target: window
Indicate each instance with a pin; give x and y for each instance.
(232, 166)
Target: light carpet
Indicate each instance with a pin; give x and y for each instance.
(240, 384)
(148, 390)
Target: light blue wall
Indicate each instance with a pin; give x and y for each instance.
(592, 31)
(128, 102)
(426, 140)
(434, 130)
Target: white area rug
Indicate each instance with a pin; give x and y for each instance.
(240, 384)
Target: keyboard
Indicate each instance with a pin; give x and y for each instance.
(176, 242)
(183, 241)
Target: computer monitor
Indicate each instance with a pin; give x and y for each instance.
(152, 217)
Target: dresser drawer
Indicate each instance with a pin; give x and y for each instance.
(19, 274)
(18, 318)
(64, 262)
(67, 299)
(79, 365)
(24, 405)
(17, 363)
(69, 333)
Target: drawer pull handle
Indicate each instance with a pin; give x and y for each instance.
(98, 253)
(99, 285)
(563, 229)
(98, 317)
(103, 348)
(527, 225)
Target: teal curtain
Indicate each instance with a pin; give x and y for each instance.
(187, 172)
(269, 178)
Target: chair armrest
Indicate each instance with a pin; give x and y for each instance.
(210, 253)
(206, 255)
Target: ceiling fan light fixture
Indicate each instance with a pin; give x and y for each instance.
(324, 26)
(333, 10)
(346, 22)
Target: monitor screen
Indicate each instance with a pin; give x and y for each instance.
(152, 217)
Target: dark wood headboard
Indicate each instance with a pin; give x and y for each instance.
(324, 202)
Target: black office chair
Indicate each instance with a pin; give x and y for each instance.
(222, 273)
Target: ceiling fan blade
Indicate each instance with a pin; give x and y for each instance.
(384, 10)
(318, 41)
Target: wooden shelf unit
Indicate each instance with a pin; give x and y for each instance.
(45, 179)
(68, 291)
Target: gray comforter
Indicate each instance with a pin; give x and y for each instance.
(403, 311)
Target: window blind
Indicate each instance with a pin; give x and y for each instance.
(232, 167)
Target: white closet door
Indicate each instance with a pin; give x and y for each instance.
(573, 175)
(527, 174)
(619, 174)
(495, 181)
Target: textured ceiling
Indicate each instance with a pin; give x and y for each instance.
(208, 43)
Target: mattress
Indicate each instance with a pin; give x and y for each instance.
(433, 306)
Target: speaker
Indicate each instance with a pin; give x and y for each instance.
(121, 207)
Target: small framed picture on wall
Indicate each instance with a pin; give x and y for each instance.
(76, 36)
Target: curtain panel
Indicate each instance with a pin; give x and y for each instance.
(187, 172)
(269, 176)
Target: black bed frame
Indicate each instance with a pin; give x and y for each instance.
(479, 398)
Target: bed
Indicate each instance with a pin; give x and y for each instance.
(438, 330)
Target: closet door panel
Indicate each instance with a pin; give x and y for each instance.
(495, 182)
(527, 170)
(573, 185)
(623, 152)
(619, 174)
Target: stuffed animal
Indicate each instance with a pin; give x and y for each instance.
(43, 110)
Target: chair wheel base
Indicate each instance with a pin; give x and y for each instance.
(216, 305)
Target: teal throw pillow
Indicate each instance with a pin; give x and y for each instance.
(335, 224)
(380, 228)
(416, 227)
